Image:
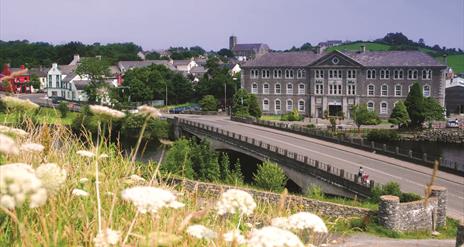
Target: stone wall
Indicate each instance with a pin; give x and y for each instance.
(460, 235)
(441, 135)
(298, 202)
(412, 216)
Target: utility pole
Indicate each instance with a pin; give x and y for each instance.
(166, 103)
(225, 96)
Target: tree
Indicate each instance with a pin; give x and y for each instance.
(235, 175)
(253, 107)
(208, 103)
(96, 70)
(396, 39)
(178, 159)
(270, 176)
(63, 108)
(415, 105)
(399, 115)
(225, 53)
(433, 110)
(363, 116)
(204, 162)
(240, 103)
(35, 82)
(152, 56)
(224, 166)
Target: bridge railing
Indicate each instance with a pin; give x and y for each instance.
(293, 160)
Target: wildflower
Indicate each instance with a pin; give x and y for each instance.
(280, 222)
(13, 103)
(8, 145)
(80, 193)
(106, 238)
(233, 201)
(14, 131)
(305, 220)
(149, 111)
(176, 205)
(52, 176)
(18, 184)
(136, 178)
(32, 147)
(200, 232)
(234, 235)
(106, 112)
(104, 156)
(85, 153)
(149, 199)
(83, 180)
(270, 236)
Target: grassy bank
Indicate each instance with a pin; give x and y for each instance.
(44, 115)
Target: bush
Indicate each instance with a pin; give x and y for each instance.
(311, 126)
(292, 116)
(409, 197)
(382, 135)
(270, 176)
(63, 108)
(209, 103)
(315, 192)
(392, 188)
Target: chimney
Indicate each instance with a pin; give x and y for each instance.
(445, 59)
(54, 65)
(363, 49)
(77, 58)
(319, 49)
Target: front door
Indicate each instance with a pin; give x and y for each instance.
(334, 110)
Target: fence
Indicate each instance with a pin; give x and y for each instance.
(295, 161)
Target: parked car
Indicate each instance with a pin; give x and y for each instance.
(55, 100)
(452, 124)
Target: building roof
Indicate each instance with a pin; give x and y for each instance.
(181, 62)
(126, 65)
(40, 72)
(198, 69)
(455, 82)
(284, 59)
(249, 47)
(69, 71)
(81, 84)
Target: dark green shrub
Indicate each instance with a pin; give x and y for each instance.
(382, 135)
(292, 116)
(63, 108)
(209, 103)
(270, 176)
(311, 126)
(392, 188)
(409, 197)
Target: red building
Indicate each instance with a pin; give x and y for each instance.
(20, 83)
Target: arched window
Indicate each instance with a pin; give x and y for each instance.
(300, 73)
(254, 88)
(427, 74)
(266, 88)
(265, 105)
(289, 88)
(371, 74)
(301, 88)
(277, 89)
(254, 73)
(277, 105)
(265, 73)
(277, 73)
(426, 90)
(289, 73)
(383, 107)
(301, 105)
(370, 106)
(412, 74)
(398, 74)
(384, 90)
(398, 90)
(370, 90)
(289, 105)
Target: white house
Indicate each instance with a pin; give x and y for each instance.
(63, 82)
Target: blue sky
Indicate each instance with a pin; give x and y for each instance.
(156, 24)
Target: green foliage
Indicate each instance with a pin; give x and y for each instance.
(392, 188)
(178, 159)
(362, 116)
(225, 53)
(315, 192)
(156, 129)
(311, 126)
(209, 103)
(409, 197)
(181, 53)
(434, 111)
(241, 103)
(379, 135)
(96, 70)
(63, 108)
(204, 161)
(35, 82)
(270, 176)
(415, 105)
(253, 107)
(292, 116)
(399, 115)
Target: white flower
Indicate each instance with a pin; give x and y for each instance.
(8, 145)
(80, 193)
(18, 183)
(32, 147)
(13, 103)
(52, 176)
(233, 201)
(234, 235)
(9, 130)
(104, 156)
(176, 205)
(107, 238)
(270, 236)
(305, 220)
(149, 199)
(85, 153)
(106, 112)
(136, 178)
(200, 231)
(83, 180)
(280, 222)
(149, 111)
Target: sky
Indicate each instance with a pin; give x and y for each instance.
(158, 24)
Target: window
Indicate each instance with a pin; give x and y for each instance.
(58, 83)
(335, 88)
(319, 74)
(398, 90)
(289, 73)
(265, 105)
(383, 108)
(277, 73)
(254, 73)
(370, 106)
(409, 88)
(319, 88)
(398, 74)
(289, 105)
(277, 105)
(301, 88)
(370, 90)
(266, 88)
(384, 90)
(351, 89)
(370, 74)
(427, 74)
(384, 74)
(426, 91)
(351, 74)
(412, 74)
(277, 89)
(265, 73)
(254, 88)
(335, 74)
(301, 73)
(54, 93)
(301, 105)
(289, 88)
(49, 81)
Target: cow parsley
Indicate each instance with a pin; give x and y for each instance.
(8, 145)
(150, 199)
(200, 232)
(305, 220)
(235, 201)
(270, 236)
(52, 177)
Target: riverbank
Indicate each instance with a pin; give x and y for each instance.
(441, 135)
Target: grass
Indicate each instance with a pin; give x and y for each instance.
(271, 117)
(456, 62)
(45, 115)
(370, 46)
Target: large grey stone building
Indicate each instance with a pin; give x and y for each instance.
(314, 82)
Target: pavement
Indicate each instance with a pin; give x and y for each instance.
(366, 240)
(382, 169)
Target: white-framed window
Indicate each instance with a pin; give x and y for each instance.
(289, 73)
(289, 88)
(384, 74)
(398, 90)
(335, 88)
(383, 107)
(335, 74)
(301, 88)
(409, 88)
(319, 74)
(277, 105)
(370, 90)
(319, 88)
(370, 74)
(289, 105)
(277, 73)
(265, 73)
(398, 74)
(427, 74)
(384, 90)
(351, 74)
(266, 88)
(265, 105)
(254, 73)
(300, 73)
(370, 106)
(254, 88)
(412, 74)
(277, 88)
(351, 88)
(426, 90)
(301, 105)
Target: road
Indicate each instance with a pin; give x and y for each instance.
(382, 169)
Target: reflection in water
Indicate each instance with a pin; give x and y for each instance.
(448, 151)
